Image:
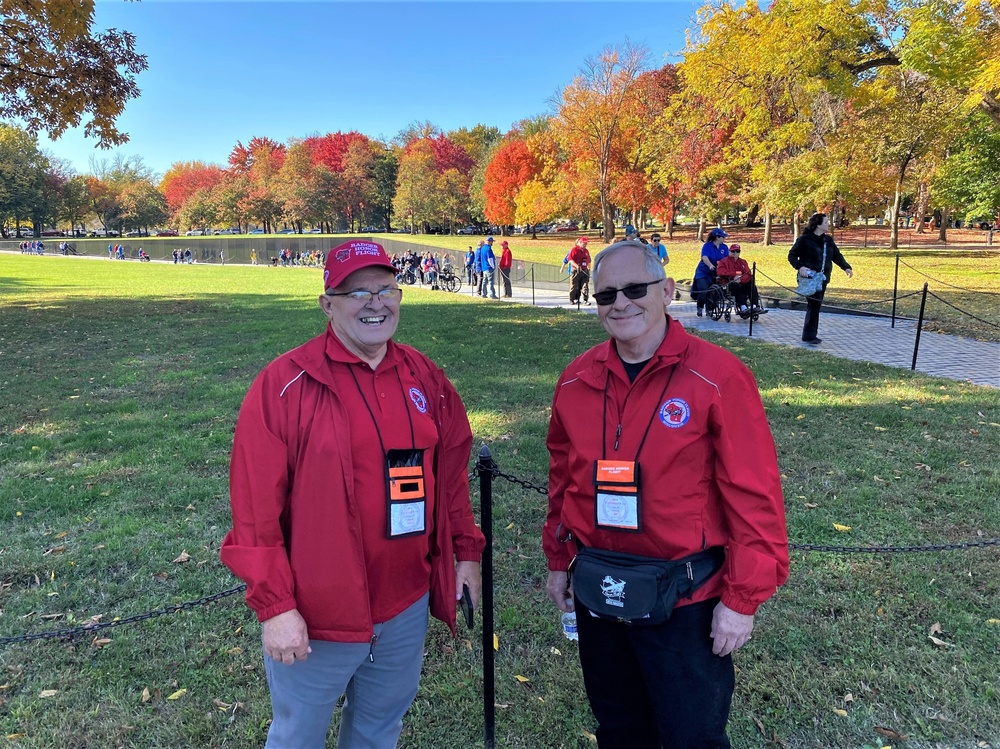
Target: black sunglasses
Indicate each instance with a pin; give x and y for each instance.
(632, 291)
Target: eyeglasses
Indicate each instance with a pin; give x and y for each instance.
(386, 296)
(632, 291)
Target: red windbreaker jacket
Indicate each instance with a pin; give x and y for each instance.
(708, 467)
(296, 537)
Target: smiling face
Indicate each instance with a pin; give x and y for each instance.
(638, 325)
(364, 327)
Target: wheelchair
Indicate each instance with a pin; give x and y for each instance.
(719, 303)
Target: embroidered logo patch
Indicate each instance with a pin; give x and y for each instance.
(418, 400)
(614, 591)
(675, 413)
(343, 255)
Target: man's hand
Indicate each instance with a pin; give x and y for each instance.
(850, 273)
(729, 629)
(468, 573)
(558, 589)
(286, 639)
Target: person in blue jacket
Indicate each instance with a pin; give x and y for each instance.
(704, 275)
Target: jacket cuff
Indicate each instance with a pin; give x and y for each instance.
(269, 612)
(739, 605)
(468, 556)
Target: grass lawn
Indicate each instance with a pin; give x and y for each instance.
(119, 388)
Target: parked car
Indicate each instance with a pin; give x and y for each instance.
(468, 230)
(256, 231)
(285, 231)
(165, 233)
(134, 233)
(193, 233)
(572, 226)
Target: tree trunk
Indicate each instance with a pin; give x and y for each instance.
(752, 214)
(767, 228)
(897, 199)
(701, 228)
(943, 229)
(923, 198)
(795, 225)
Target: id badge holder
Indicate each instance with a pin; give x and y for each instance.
(406, 500)
(618, 504)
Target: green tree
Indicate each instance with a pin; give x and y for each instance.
(142, 205)
(23, 170)
(54, 70)
(968, 180)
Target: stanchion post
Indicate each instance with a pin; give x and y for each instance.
(532, 284)
(895, 287)
(753, 294)
(920, 324)
(485, 466)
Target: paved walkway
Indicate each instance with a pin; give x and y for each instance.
(848, 336)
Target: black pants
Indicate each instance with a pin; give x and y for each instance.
(699, 286)
(579, 283)
(656, 687)
(505, 277)
(811, 325)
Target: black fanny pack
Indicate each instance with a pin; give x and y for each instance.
(639, 590)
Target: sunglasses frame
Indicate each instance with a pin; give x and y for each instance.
(631, 291)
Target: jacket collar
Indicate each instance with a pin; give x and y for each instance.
(316, 356)
(606, 360)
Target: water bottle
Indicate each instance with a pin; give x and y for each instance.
(569, 625)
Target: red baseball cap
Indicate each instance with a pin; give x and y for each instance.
(583, 239)
(734, 248)
(344, 259)
(504, 243)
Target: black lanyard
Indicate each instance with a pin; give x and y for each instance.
(413, 439)
(618, 431)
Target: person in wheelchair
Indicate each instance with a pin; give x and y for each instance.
(734, 273)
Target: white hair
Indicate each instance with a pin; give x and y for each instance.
(653, 266)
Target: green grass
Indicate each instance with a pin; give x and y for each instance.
(119, 387)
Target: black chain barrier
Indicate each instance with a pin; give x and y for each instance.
(962, 311)
(945, 283)
(76, 633)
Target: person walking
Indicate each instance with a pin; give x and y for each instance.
(660, 455)
(506, 261)
(815, 252)
(579, 261)
(351, 514)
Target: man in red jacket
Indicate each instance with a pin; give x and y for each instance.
(506, 261)
(659, 451)
(351, 513)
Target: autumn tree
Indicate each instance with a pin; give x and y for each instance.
(415, 185)
(590, 115)
(510, 169)
(54, 71)
(75, 202)
(259, 162)
(184, 178)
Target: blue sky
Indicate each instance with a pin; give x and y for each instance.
(222, 72)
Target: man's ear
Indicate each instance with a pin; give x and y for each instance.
(668, 292)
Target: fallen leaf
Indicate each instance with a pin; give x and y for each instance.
(993, 621)
(63, 534)
(890, 734)
(178, 694)
(841, 528)
(496, 641)
(145, 694)
(881, 429)
(848, 697)
(223, 706)
(100, 642)
(940, 643)
(12, 736)
(841, 713)
(810, 505)
(48, 693)
(555, 651)
(935, 629)
(800, 417)
(589, 735)
(522, 679)
(509, 527)
(235, 651)
(184, 557)
(190, 507)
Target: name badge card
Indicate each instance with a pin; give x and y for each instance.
(617, 506)
(405, 494)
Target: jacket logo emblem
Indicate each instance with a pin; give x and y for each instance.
(418, 400)
(675, 413)
(343, 255)
(614, 591)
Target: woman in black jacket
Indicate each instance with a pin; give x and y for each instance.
(806, 256)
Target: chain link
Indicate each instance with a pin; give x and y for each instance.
(76, 633)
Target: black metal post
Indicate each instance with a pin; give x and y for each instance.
(753, 295)
(532, 284)
(920, 323)
(485, 466)
(895, 288)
